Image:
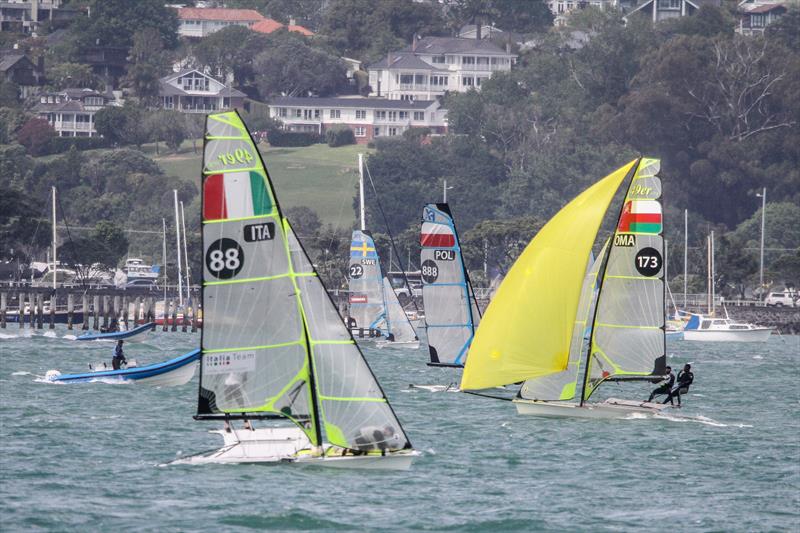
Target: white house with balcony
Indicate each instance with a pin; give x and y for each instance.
(193, 91)
(431, 66)
(200, 22)
(367, 117)
(659, 10)
(71, 111)
(562, 8)
(756, 15)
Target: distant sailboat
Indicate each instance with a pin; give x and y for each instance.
(451, 310)
(375, 311)
(534, 329)
(273, 343)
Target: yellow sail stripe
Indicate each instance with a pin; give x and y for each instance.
(262, 347)
(346, 399)
(263, 278)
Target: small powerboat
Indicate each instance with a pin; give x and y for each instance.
(710, 329)
(177, 371)
(132, 335)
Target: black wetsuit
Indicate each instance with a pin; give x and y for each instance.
(685, 378)
(119, 358)
(664, 388)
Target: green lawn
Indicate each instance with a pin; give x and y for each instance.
(322, 178)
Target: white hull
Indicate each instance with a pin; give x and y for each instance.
(290, 445)
(611, 408)
(179, 376)
(406, 345)
(739, 335)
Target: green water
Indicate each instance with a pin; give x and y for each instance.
(85, 456)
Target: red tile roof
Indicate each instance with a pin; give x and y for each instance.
(268, 26)
(230, 15)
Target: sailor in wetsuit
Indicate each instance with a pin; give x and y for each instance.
(374, 437)
(119, 357)
(666, 385)
(685, 378)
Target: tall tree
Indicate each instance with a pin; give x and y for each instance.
(113, 23)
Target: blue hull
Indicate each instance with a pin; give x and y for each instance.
(133, 374)
(118, 335)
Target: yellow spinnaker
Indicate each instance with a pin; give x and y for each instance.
(527, 328)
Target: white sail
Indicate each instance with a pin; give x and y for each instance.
(367, 301)
(272, 341)
(397, 323)
(628, 329)
(451, 312)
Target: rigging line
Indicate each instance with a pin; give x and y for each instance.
(391, 239)
(71, 242)
(487, 396)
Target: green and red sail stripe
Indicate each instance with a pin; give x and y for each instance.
(641, 216)
(235, 195)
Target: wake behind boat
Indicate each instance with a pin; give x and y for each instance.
(177, 371)
(132, 335)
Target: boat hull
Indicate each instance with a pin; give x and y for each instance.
(742, 335)
(132, 335)
(290, 445)
(610, 409)
(177, 371)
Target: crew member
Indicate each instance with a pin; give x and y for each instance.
(372, 437)
(666, 384)
(685, 378)
(119, 357)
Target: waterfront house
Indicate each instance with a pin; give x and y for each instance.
(71, 111)
(431, 66)
(659, 10)
(268, 25)
(200, 22)
(193, 91)
(756, 15)
(19, 70)
(367, 117)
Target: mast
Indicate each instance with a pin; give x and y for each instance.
(164, 260)
(685, 254)
(361, 190)
(708, 273)
(601, 277)
(178, 234)
(185, 256)
(713, 277)
(54, 239)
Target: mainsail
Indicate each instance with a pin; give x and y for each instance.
(451, 311)
(628, 327)
(272, 341)
(367, 302)
(527, 329)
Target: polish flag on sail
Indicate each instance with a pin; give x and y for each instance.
(235, 195)
(640, 216)
(436, 236)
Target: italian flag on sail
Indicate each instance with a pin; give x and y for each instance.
(641, 216)
(235, 195)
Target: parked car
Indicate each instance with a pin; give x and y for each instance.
(781, 299)
(142, 284)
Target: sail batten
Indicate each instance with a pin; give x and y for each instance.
(451, 313)
(526, 331)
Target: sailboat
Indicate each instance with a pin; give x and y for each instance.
(534, 329)
(375, 311)
(451, 310)
(273, 344)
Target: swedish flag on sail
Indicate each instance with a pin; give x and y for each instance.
(365, 248)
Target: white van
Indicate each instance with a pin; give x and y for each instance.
(781, 299)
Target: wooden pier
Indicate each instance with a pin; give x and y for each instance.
(93, 308)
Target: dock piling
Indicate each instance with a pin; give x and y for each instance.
(70, 309)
